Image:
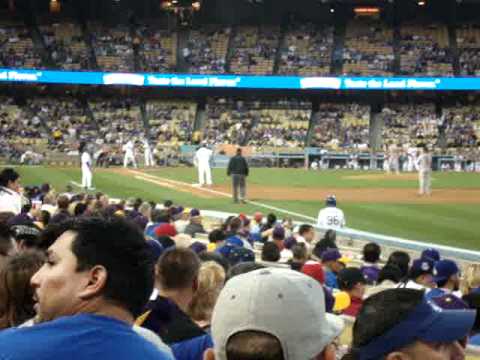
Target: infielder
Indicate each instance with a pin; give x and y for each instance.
(424, 166)
(147, 152)
(331, 217)
(86, 161)
(201, 160)
(129, 157)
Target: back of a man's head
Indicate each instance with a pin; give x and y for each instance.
(8, 175)
(177, 269)
(117, 245)
(62, 202)
(376, 318)
(265, 346)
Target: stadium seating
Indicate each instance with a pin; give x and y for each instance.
(368, 48)
(468, 43)
(157, 49)
(425, 50)
(16, 47)
(307, 50)
(207, 50)
(462, 125)
(171, 122)
(254, 50)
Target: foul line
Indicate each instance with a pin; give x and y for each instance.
(220, 193)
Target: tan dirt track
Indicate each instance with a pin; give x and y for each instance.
(366, 195)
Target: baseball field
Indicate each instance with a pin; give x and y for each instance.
(372, 201)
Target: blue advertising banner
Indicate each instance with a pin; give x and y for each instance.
(238, 81)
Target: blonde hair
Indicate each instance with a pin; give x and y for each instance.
(471, 278)
(211, 279)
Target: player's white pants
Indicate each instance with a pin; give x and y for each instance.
(149, 159)
(204, 175)
(424, 178)
(86, 178)
(129, 158)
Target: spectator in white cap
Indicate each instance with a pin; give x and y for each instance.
(253, 318)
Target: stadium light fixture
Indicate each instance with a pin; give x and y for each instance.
(332, 9)
(422, 3)
(196, 6)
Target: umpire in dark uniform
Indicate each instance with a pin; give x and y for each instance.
(238, 169)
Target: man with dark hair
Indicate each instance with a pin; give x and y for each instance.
(399, 324)
(238, 169)
(97, 278)
(300, 256)
(62, 213)
(446, 275)
(8, 246)
(352, 281)
(371, 256)
(253, 318)
(270, 252)
(420, 275)
(10, 198)
(216, 239)
(306, 235)
(176, 281)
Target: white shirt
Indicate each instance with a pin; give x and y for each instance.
(331, 217)
(202, 157)
(10, 201)
(146, 147)
(129, 147)
(424, 162)
(86, 161)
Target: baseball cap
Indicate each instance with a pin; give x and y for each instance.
(331, 255)
(315, 270)
(194, 212)
(156, 249)
(349, 277)
(331, 200)
(165, 229)
(421, 267)
(198, 247)
(450, 302)
(289, 242)
(427, 322)
(443, 269)
(278, 232)
(253, 301)
(430, 254)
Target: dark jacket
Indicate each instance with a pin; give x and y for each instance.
(193, 229)
(237, 166)
(186, 339)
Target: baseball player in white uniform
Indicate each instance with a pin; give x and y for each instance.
(412, 158)
(147, 152)
(129, 157)
(331, 217)
(201, 160)
(86, 161)
(424, 166)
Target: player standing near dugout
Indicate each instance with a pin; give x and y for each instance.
(424, 166)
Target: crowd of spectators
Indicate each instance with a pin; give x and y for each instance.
(282, 123)
(118, 120)
(425, 50)
(113, 47)
(412, 123)
(65, 120)
(368, 49)
(462, 125)
(254, 50)
(308, 50)
(125, 278)
(64, 42)
(468, 44)
(206, 50)
(171, 122)
(17, 49)
(341, 126)
(157, 49)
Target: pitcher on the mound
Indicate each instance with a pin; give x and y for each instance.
(424, 166)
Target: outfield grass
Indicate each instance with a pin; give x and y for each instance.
(449, 224)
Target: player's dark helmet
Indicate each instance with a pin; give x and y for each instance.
(331, 200)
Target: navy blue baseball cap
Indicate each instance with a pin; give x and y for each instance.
(430, 254)
(421, 267)
(331, 255)
(443, 269)
(427, 322)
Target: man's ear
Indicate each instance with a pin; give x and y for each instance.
(96, 281)
(209, 354)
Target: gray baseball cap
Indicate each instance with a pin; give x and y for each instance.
(281, 302)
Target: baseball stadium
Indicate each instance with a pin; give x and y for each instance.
(260, 152)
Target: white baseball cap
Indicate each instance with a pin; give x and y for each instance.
(281, 302)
